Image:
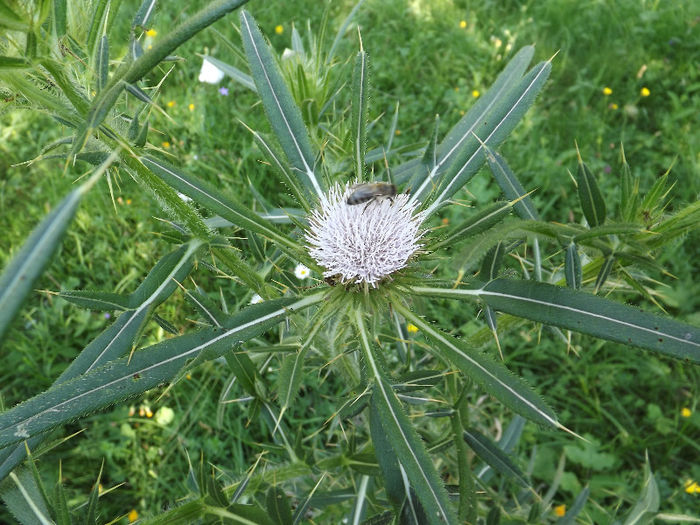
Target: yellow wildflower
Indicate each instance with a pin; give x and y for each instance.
(171, 103)
(151, 32)
(476, 93)
(692, 487)
(463, 24)
(149, 414)
(645, 92)
(188, 376)
(445, 221)
(614, 106)
(133, 516)
(128, 202)
(166, 144)
(560, 510)
(412, 329)
(607, 91)
(398, 132)
(191, 107)
(685, 412)
(279, 29)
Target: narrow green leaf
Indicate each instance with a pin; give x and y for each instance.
(469, 124)
(491, 130)
(358, 113)
(12, 63)
(102, 63)
(572, 267)
(139, 93)
(405, 442)
(510, 186)
(475, 224)
(166, 197)
(61, 503)
(95, 300)
(490, 453)
(91, 514)
(143, 15)
(275, 158)
(19, 276)
(629, 191)
(467, 493)
(211, 198)
(292, 367)
(240, 268)
(592, 315)
(570, 517)
(23, 500)
(244, 370)
(644, 511)
(58, 18)
(38, 481)
(284, 116)
(11, 20)
(73, 92)
(604, 272)
(147, 368)
(492, 262)
(478, 246)
(491, 375)
(97, 25)
(403, 499)
(589, 195)
(140, 141)
(164, 277)
(278, 507)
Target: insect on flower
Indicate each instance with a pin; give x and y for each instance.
(369, 191)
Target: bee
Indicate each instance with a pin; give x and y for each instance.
(369, 191)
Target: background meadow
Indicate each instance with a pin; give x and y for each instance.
(626, 73)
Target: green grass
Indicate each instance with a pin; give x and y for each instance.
(625, 401)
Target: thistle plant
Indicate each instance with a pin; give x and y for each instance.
(378, 260)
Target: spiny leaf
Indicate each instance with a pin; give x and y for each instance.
(283, 114)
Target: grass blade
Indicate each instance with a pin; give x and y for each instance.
(282, 112)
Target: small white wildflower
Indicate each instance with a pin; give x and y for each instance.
(256, 299)
(288, 54)
(363, 242)
(210, 73)
(301, 271)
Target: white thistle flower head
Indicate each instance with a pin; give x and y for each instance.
(301, 271)
(363, 243)
(210, 73)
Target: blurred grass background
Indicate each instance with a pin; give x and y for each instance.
(432, 57)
